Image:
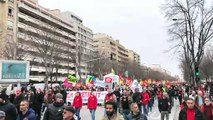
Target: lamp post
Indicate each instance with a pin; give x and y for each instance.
(194, 63)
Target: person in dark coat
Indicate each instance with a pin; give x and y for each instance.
(12, 96)
(31, 98)
(26, 113)
(125, 104)
(180, 95)
(118, 95)
(55, 111)
(8, 108)
(135, 113)
(19, 97)
(191, 112)
(64, 93)
(39, 98)
(137, 97)
(164, 106)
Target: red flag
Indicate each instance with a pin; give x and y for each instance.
(128, 81)
(121, 77)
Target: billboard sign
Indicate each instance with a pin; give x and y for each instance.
(14, 71)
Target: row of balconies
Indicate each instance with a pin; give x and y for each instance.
(29, 42)
(40, 23)
(33, 30)
(38, 12)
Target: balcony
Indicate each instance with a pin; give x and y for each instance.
(33, 30)
(39, 23)
(38, 12)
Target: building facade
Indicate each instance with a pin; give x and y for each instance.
(134, 57)
(85, 43)
(39, 36)
(157, 67)
(110, 47)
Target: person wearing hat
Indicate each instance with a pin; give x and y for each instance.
(2, 115)
(9, 109)
(69, 113)
(55, 110)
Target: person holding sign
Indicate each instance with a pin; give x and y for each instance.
(92, 104)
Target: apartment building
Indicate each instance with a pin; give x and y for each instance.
(85, 43)
(42, 38)
(109, 47)
(157, 67)
(134, 57)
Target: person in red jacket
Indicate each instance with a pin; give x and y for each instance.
(92, 104)
(207, 108)
(77, 104)
(145, 102)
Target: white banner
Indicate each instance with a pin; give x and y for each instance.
(85, 95)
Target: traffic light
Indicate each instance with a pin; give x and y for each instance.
(197, 72)
(197, 79)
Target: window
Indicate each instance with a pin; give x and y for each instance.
(10, 12)
(9, 24)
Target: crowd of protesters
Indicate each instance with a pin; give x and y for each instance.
(122, 103)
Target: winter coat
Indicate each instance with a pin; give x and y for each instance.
(30, 115)
(146, 98)
(77, 102)
(115, 117)
(17, 101)
(164, 104)
(10, 110)
(31, 99)
(92, 102)
(54, 111)
(64, 93)
(137, 97)
(136, 117)
(208, 114)
(118, 95)
(198, 114)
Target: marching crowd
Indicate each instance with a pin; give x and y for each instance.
(123, 103)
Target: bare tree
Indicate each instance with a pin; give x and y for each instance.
(50, 47)
(207, 66)
(14, 50)
(100, 66)
(191, 29)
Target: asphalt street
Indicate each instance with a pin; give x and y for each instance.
(154, 115)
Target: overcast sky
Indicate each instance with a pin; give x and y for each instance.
(138, 24)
